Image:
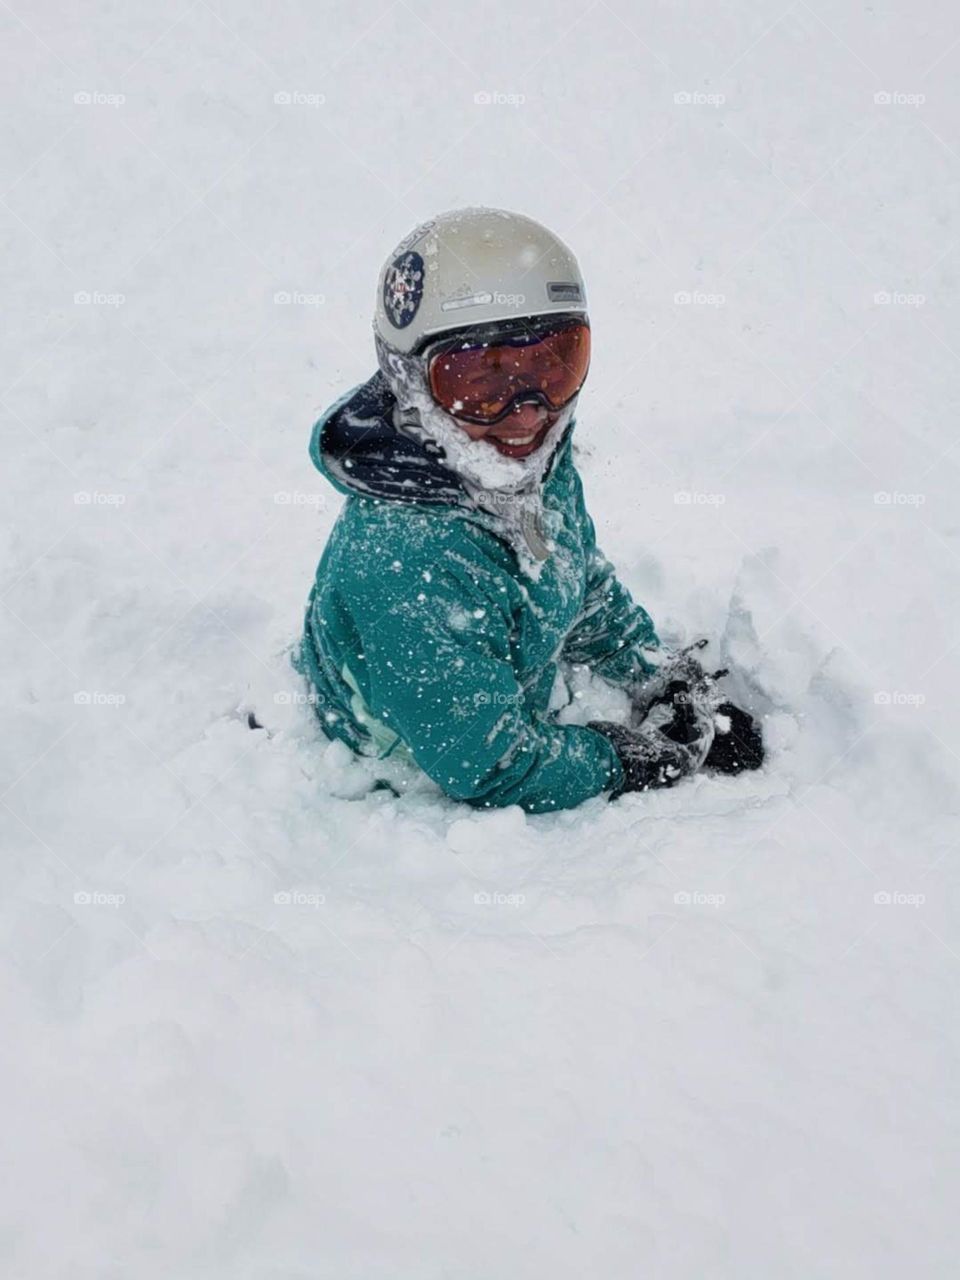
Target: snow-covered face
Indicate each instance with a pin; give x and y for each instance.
(521, 433)
(510, 456)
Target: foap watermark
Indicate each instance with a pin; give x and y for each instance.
(697, 498)
(895, 898)
(298, 498)
(299, 898)
(896, 698)
(509, 299)
(697, 898)
(95, 298)
(898, 98)
(297, 98)
(496, 98)
(895, 298)
(94, 498)
(697, 298)
(297, 698)
(92, 98)
(294, 298)
(894, 498)
(507, 499)
(494, 898)
(482, 698)
(98, 898)
(697, 98)
(98, 698)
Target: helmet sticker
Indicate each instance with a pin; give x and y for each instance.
(474, 300)
(403, 289)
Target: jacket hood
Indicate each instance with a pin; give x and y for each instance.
(359, 450)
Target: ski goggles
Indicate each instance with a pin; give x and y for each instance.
(480, 381)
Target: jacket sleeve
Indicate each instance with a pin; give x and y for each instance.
(613, 636)
(436, 668)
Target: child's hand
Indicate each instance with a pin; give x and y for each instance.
(682, 704)
(649, 757)
(675, 731)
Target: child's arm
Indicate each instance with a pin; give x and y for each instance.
(436, 667)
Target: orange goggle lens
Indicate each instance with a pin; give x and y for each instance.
(480, 383)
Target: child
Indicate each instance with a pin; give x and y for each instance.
(464, 567)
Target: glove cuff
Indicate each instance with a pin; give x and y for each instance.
(618, 736)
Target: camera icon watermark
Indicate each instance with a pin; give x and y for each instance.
(698, 298)
(897, 98)
(95, 298)
(483, 698)
(98, 698)
(494, 898)
(94, 498)
(299, 498)
(299, 898)
(697, 898)
(494, 98)
(696, 98)
(894, 498)
(296, 98)
(98, 898)
(697, 498)
(295, 298)
(895, 298)
(88, 98)
(297, 698)
(895, 698)
(895, 898)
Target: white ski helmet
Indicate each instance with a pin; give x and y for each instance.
(473, 267)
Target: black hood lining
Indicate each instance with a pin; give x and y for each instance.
(363, 449)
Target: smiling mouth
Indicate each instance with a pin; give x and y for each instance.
(519, 444)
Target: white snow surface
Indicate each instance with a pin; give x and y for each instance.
(261, 1023)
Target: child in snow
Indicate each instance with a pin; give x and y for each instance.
(464, 567)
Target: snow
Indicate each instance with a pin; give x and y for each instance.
(263, 1023)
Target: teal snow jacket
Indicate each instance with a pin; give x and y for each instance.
(426, 635)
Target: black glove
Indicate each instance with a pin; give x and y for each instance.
(680, 725)
(737, 742)
(647, 757)
(674, 737)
